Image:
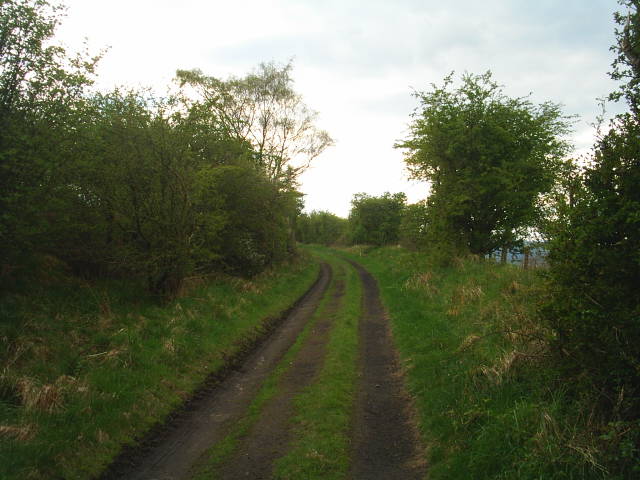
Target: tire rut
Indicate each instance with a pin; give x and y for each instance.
(386, 445)
(209, 418)
(269, 438)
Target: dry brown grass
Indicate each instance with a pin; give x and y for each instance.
(469, 342)
(464, 295)
(102, 436)
(249, 286)
(169, 346)
(190, 284)
(460, 262)
(522, 336)
(422, 282)
(20, 433)
(497, 372)
(107, 355)
(47, 398)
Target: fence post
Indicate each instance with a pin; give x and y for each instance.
(526, 257)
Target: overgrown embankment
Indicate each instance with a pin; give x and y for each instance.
(88, 368)
(490, 402)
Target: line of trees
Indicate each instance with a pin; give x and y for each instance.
(126, 183)
(492, 162)
(322, 227)
(372, 221)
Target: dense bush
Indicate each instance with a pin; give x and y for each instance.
(488, 158)
(594, 304)
(595, 265)
(324, 228)
(376, 220)
(413, 226)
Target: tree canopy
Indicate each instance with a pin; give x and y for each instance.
(594, 263)
(264, 110)
(488, 158)
(321, 227)
(376, 220)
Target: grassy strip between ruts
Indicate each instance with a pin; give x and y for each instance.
(222, 451)
(490, 404)
(322, 423)
(87, 369)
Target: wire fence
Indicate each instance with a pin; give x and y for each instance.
(526, 257)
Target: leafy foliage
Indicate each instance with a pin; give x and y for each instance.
(626, 65)
(125, 183)
(488, 158)
(40, 90)
(257, 227)
(324, 228)
(264, 110)
(593, 303)
(376, 220)
(595, 268)
(595, 263)
(413, 226)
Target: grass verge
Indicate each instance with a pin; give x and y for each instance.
(491, 405)
(86, 369)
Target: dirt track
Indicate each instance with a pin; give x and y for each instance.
(384, 445)
(269, 438)
(208, 420)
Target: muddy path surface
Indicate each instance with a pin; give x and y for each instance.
(270, 436)
(386, 444)
(209, 418)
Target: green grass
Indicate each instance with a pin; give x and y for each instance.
(323, 411)
(86, 368)
(489, 402)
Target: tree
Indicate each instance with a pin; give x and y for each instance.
(594, 273)
(264, 110)
(137, 174)
(413, 227)
(595, 269)
(626, 65)
(33, 72)
(321, 227)
(127, 184)
(256, 212)
(488, 158)
(376, 220)
(41, 92)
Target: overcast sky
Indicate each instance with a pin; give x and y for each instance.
(356, 63)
